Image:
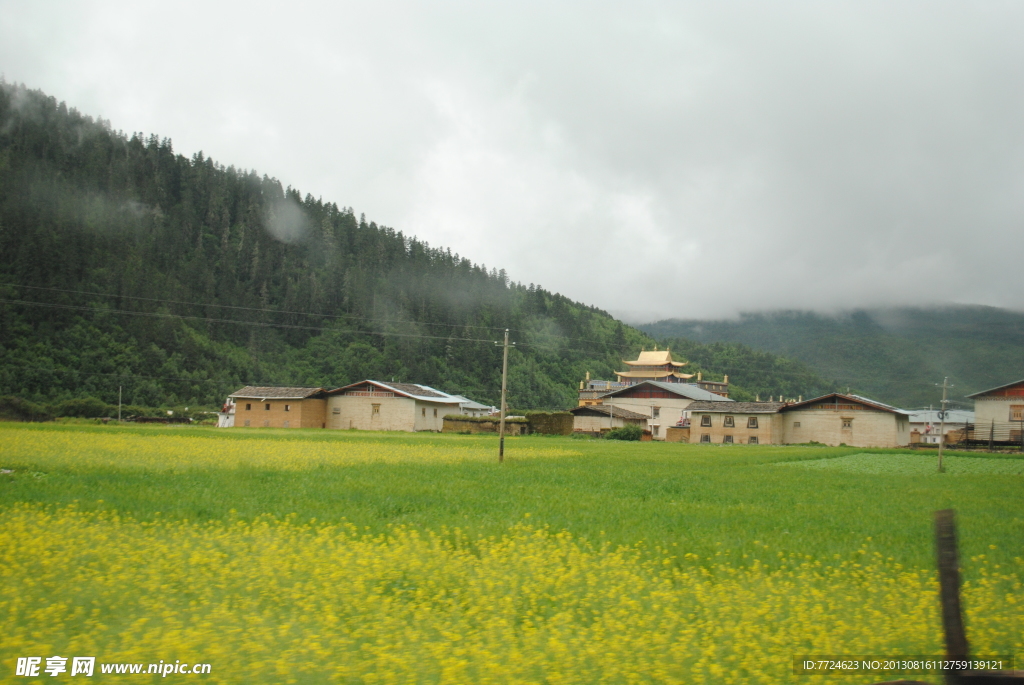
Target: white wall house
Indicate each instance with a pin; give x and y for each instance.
(999, 412)
(375, 405)
(664, 404)
(838, 419)
(928, 422)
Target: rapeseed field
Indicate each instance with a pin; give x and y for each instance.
(309, 557)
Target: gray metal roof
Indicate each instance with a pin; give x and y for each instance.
(932, 416)
(418, 392)
(258, 392)
(874, 404)
(688, 390)
(737, 407)
(603, 409)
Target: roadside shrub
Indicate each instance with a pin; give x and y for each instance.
(84, 408)
(628, 432)
(17, 409)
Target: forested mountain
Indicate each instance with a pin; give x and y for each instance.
(896, 355)
(179, 279)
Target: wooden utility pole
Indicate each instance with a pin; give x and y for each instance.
(119, 404)
(949, 588)
(504, 385)
(942, 423)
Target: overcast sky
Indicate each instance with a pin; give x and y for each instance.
(653, 159)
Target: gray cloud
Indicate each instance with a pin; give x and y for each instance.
(654, 159)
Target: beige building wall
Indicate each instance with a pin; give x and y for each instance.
(430, 415)
(278, 413)
(314, 413)
(596, 424)
(767, 432)
(866, 428)
(998, 410)
(670, 410)
(391, 414)
(371, 413)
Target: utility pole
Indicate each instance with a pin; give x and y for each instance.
(504, 385)
(119, 404)
(942, 422)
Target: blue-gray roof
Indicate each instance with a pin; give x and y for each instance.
(687, 390)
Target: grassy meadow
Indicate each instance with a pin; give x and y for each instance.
(351, 557)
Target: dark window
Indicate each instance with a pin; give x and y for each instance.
(287, 407)
(730, 422)
(705, 421)
(796, 424)
(752, 422)
(705, 438)
(727, 440)
(267, 407)
(752, 440)
(435, 413)
(847, 423)
(248, 407)
(424, 410)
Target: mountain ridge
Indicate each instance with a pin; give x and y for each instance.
(896, 354)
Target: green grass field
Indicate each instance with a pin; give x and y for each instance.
(844, 533)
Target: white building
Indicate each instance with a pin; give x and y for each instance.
(375, 405)
(927, 422)
(664, 404)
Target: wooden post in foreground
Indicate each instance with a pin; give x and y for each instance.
(949, 588)
(504, 384)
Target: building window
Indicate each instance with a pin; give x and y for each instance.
(267, 407)
(374, 409)
(423, 410)
(336, 410)
(287, 424)
(730, 422)
(796, 424)
(705, 437)
(752, 422)
(247, 422)
(248, 407)
(1017, 412)
(654, 430)
(752, 440)
(847, 423)
(435, 413)
(655, 412)
(266, 424)
(727, 440)
(705, 420)
(287, 407)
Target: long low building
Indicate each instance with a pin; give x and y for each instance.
(366, 405)
(664, 404)
(746, 423)
(269, 407)
(601, 417)
(375, 405)
(833, 419)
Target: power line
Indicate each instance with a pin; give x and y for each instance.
(259, 324)
(248, 309)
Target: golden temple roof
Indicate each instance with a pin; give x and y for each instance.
(652, 374)
(654, 358)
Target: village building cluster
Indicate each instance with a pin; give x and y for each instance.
(657, 395)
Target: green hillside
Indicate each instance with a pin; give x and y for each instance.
(896, 355)
(128, 265)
